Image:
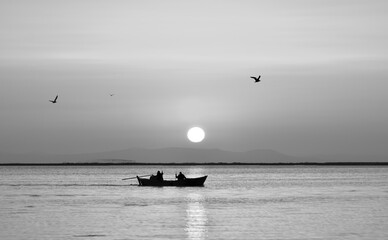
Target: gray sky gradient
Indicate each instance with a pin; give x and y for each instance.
(177, 64)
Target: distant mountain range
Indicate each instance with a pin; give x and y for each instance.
(182, 155)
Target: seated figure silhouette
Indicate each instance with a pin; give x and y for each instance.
(180, 176)
(159, 176)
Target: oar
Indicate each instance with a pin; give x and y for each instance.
(136, 177)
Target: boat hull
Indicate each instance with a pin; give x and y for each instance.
(188, 182)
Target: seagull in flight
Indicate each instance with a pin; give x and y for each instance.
(257, 79)
(55, 100)
(112, 94)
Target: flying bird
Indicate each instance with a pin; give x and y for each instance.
(112, 94)
(55, 100)
(257, 79)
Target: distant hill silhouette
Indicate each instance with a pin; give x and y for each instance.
(183, 155)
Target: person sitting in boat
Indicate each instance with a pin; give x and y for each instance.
(159, 176)
(180, 176)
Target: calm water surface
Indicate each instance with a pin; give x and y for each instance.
(237, 202)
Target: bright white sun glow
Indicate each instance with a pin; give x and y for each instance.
(196, 134)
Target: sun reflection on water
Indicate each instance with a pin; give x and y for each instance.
(196, 227)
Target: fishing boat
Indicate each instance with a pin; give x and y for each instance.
(187, 182)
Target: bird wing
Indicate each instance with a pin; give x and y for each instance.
(56, 98)
(254, 77)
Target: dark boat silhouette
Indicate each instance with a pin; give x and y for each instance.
(187, 182)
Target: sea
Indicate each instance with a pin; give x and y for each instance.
(237, 202)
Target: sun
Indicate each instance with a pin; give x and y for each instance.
(196, 134)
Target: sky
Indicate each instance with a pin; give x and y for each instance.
(175, 64)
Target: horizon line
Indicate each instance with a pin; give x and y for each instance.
(193, 163)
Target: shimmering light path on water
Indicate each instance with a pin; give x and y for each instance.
(237, 202)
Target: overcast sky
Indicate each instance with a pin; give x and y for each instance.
(177, 64)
